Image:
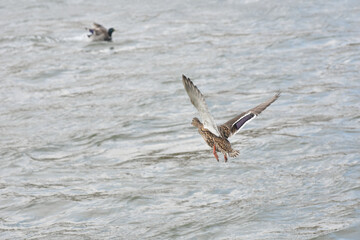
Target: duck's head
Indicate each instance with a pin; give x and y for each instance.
(110, 31)
(196, 122)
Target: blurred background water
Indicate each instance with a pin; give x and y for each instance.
(96, 141)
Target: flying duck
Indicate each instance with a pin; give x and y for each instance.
(216, 136)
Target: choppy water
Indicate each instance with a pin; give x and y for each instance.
(96, 141)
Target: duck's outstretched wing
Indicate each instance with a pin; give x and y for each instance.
(198, 100)
(98, 31)
(234, 125)
(100, 27)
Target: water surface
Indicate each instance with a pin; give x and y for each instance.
(96, 141)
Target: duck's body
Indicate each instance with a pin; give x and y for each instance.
(217, 136)
(100, 33)
(218, 144)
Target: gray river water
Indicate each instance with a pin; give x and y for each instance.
(96, 140)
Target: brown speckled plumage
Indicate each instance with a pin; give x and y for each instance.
(221, 144)
(217, 136)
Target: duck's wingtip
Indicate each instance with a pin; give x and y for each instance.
(186, 80)
(278, 93)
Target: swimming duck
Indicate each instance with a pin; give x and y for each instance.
(100, 33)
(217, 136)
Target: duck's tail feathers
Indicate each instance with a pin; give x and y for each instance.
(234, 153)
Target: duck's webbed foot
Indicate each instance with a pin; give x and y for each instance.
(215, 154)
(225, 158)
